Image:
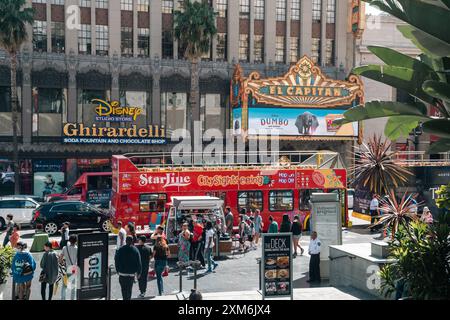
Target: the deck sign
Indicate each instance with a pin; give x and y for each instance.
(276, 265)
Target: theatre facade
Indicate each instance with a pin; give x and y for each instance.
(297, 108)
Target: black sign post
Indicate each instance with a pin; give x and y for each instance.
(276, 265)
(93, 264)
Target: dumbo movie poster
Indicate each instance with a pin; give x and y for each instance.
(299, 122)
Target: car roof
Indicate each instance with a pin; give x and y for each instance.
(6, 198)
(64, 202)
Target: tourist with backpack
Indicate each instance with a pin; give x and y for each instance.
(23, 267)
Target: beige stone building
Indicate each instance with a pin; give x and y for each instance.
(125, 50)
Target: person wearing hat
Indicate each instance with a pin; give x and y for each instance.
(23, 267)
(50, 269)
(426, 217)
(146, 255)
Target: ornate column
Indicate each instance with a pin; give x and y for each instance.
(27, 105)
(72, 105)
(156, 92)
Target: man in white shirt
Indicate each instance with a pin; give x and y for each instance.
(374, 209)
(209, 246)
(314, 262)
(121, 236)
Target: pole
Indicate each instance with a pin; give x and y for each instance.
(108, 292)
(180, 267)
(258, 261)
(13, 291)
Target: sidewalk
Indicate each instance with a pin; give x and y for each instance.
(320, 293)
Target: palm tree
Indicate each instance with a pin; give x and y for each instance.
(195, 26)
(13, 20)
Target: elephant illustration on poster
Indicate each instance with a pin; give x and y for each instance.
(307, 123)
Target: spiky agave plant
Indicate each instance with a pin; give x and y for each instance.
(396, 213)
(375, 169)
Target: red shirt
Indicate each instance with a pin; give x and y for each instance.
(198, 231)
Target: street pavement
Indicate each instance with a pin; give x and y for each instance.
(238, 272)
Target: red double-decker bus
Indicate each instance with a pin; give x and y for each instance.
(142, 185)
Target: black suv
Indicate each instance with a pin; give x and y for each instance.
(81, 215)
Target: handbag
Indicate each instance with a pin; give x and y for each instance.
(165, 272)
(42, 277)
(26, 269)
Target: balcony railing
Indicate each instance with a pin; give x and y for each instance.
(421, 159)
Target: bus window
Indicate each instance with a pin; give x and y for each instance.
(152, 202)
(250, 200)
(305, 197)
(281, 200)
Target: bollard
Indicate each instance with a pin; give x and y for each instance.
(108, 293)
(195, 265)
(258, 261)
(180, 267)
(13, 289)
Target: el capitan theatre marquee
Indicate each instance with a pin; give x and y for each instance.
(100, 133)
(301, 105)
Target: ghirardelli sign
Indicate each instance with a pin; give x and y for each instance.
(167, 180)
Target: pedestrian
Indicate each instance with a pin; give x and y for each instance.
(131, 231)
(374, 210)
(9, 228)
(314, 262)
(426, 216)
(251, 232)
(15, 236)
(23, 266)
(296, 230)
(146, 255)
(50, 269)
(128, 266)
(160, 253)
(259, 225)
(285, 224)
(159, 232)
(64, 235)
(121, 235)
(197, 242)
(243, 233)
(273, 226)
(184, 245)
(70, 256)
(209, 246)
(229, 221)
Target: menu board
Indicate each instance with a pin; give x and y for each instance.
(276, 264)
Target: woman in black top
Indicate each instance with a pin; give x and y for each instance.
(296, 230)
(285, 224)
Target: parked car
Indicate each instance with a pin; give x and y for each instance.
(81, 215)
(350, 198)
(24, 196)
(21, 208)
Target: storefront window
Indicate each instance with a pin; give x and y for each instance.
(259, 48)
(250, 200)
(279, 50)
(86, 108)
(5, 111)
(49, 111)
(48, 177)
(167, 45)
(143, 42)
(221, 47)
(58, 39)
(174, 110)
(243, 47)
(152, 202)
(317, 10)
(40, 36)
(127, 41)
(139, 99)
(222, 8)
(212, 114)
(281, 200)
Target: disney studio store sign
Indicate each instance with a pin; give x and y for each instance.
(104, 132)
